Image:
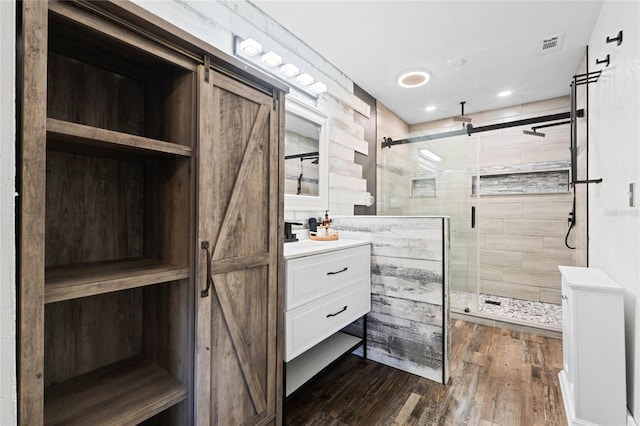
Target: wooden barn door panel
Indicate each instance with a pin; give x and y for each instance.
(238, 210)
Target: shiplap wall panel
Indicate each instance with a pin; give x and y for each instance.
(408, 323)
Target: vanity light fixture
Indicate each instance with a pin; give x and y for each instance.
(250, 47)
(289, 70)
(318, 88)
(504, 93)
(271, 59)
(305, 79)
(414, 78)
(430, 108)
(270, 62)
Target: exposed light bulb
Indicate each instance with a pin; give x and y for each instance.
(318, 88)
(289, 70)
(271, 59)
(250, 47)
(304, 79)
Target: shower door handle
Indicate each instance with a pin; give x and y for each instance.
(473, 217)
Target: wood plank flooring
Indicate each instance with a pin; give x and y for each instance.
(498, 377)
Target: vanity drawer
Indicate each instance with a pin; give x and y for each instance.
(311, 277)
(310, 324)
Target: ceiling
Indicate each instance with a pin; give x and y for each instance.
(373, 42)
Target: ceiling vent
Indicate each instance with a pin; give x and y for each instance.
(551, 43)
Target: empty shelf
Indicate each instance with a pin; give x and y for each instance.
(65, 131)
(119, 394)
(72, 282)
(305, 366)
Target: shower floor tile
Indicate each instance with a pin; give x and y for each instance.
(523, 310)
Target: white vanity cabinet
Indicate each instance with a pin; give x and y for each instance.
(593, 375)
(327, 287)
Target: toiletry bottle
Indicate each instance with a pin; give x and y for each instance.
(326, 221)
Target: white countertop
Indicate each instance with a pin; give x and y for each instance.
(310, 247)
(592, 278)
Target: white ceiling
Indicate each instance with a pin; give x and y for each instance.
(373, 42)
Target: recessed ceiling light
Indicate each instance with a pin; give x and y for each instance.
(504, 93)
(430, 108)
(250, 47)
(413, 78)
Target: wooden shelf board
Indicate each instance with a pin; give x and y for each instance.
(65, 131)
(120, 394)
(302, 368)
(72, 282)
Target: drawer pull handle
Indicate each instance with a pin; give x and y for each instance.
(337, 313)
(337, 272)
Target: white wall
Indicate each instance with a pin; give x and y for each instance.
(8, 410)
(614, 155)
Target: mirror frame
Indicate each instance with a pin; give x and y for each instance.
(308, 202)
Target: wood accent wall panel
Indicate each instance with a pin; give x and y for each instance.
(408, 323)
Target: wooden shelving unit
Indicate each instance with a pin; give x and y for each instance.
(138, 144)
(114, 230)
(75, 281)
(119, 394)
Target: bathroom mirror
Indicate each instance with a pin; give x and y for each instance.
(306, 162)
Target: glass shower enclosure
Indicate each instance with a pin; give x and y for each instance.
(435, 178)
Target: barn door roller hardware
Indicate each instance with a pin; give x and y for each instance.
(388, 142)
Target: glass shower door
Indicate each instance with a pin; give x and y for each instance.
(434, 178)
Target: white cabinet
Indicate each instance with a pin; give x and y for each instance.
(593, 375)
(324, 292)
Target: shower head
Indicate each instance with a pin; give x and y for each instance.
(533, 132)
(462, 118)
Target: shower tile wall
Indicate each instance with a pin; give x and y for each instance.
(521, 237)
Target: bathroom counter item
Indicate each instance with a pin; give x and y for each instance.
(593, 375)
(324, 233)
(316, 237)
(310, 247)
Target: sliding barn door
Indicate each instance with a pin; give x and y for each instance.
(237, 357)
